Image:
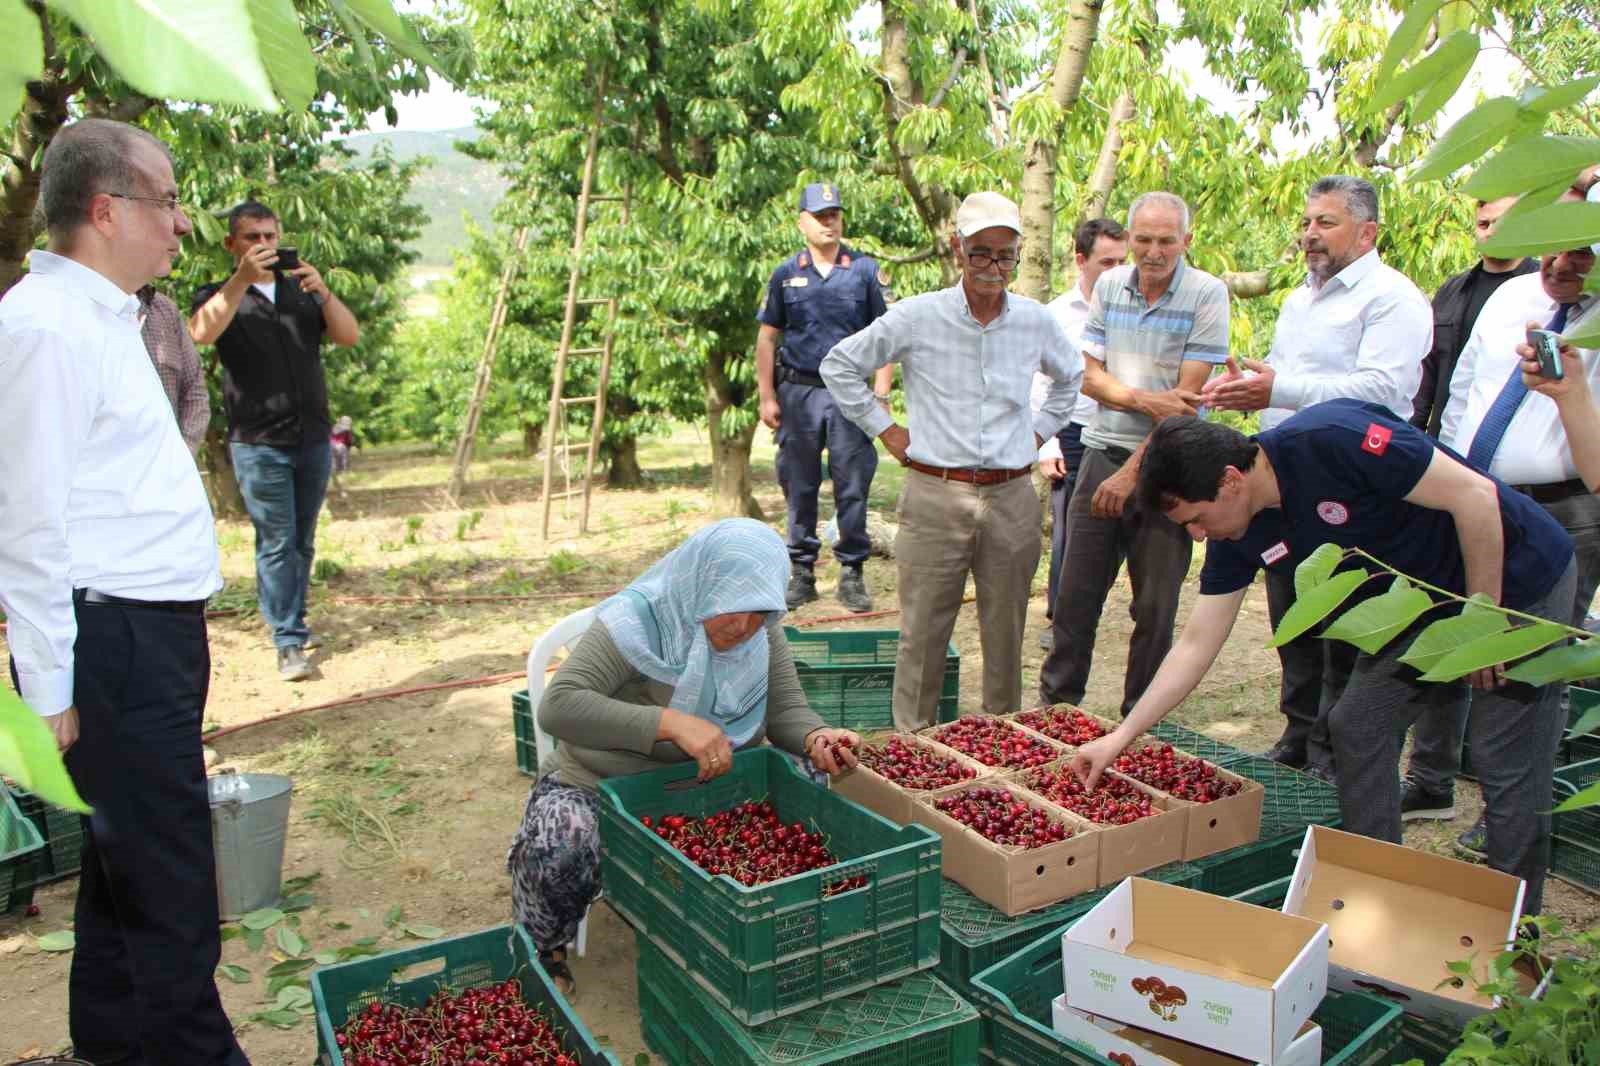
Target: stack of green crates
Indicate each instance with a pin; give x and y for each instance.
(1015, 994)
(20, 844)
(1292, 802)
(409, 976)
(848, 676)
(974, 936)
(62, 831)
(770, 950)
(915, 1021)
(1575, 835)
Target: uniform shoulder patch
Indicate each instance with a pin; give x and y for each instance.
(1377, 439)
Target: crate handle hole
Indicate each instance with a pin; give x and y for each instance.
(1456, 982)
(406, 974)
(1466, 941)
(1038, 871)
(1213, 823)
(1337, 904)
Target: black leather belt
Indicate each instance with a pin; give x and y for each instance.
(91, 598)
(1554, 491)
(800, 377)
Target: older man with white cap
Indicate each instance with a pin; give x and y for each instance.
(967, 357)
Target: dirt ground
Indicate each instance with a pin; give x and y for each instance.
(404, 807)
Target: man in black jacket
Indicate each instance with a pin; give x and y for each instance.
(268, 321)
(1455, 309)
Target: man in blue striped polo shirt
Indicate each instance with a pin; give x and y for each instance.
(1155, 330)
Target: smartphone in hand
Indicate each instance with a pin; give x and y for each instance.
(1546, 346)
(288, 259)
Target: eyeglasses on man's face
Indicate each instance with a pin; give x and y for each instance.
(983, 262)
(169, 203)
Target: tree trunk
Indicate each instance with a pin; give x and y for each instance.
(44, 112)
(1104, 176)
(222, 488)
(532, 433)
(625, 470)
(731, 491)
(901, 92)
(1039, 161)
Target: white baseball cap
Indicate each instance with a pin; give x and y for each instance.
(982, 210)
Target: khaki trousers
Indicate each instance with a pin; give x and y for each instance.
(948, 529)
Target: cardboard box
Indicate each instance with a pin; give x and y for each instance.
(1225, 975)
(934, 734)
(1015, 880)
(1230, 822)
(1016, 719)
(1128, 1045)
(895, 802)
(1397, 916)
(1133, 848)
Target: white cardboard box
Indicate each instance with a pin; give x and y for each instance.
(1129, 1045)
(1225, 974)
(1396, 916)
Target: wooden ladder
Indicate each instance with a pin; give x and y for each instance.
(556, 424)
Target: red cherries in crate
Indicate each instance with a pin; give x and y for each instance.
(750, 844)
(487, 1024)
(1113, 802)
(1003, 817)
(1066, 724)
(995, 743)
(912, 767)
(1161, 766)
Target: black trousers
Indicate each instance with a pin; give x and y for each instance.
(1314, 675)
(142, 990)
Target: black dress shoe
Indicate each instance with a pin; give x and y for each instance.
(1287, 754)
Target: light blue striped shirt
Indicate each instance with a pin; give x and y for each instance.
(966, 385)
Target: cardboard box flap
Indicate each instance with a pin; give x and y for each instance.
(1401, 915)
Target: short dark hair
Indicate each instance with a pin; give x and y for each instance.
(249, 209)
(1360, 196)
(1091, 230)
(89, 157)
(1186, 458)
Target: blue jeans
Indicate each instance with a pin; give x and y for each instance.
(283, 490)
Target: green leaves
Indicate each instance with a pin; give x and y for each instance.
(237, 974)
(1544, 101)
(1549, 229)
(381, 17)
(64, 940)
(1441, 73)
(289, 941)
(22, 60)
(1494, 650)
(179, 48)
(1407, 38)
(423, 932)
(1473, 134)
(1589, 797)
(28, 752)
(1531, 163)
(1573, 662)
(282, 47)
(1375, 622)
(265, 918)
(1316, 604)
(1477, 619)
(1317, 568)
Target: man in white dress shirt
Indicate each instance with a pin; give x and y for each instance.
(107, 555)
(1518, 437)
(1099, 244)
(967, 357)
(1356, 329)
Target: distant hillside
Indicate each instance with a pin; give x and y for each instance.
(452, 184)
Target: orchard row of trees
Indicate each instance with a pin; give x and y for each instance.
(713, 113)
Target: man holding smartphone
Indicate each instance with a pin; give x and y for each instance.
(1519, 438)
(268, 321)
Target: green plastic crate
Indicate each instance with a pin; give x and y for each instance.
(1357, 1029)
(62, 832)
(20, 844)
(1575, 835)
(848, 676)
(778, 948)
(522, 729)
(337, 992)
(1429, 1041)
(974, 936)
(915, 1021)
(1214, 751)
(1272, 894)
(1293, 801)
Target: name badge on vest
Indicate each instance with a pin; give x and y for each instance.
(798, 283)
(1273, 554)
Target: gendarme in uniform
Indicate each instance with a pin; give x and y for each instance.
(815, 307)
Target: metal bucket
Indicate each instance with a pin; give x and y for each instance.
(249, 820)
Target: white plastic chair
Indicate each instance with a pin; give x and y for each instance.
(558, 639)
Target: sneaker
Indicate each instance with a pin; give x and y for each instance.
(313, 640)
(852, 590)
(293, 664)
(802, 588)
(1417, 803)
(1475, 841)
(1287, 754)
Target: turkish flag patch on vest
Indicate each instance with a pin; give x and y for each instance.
(1377, 439)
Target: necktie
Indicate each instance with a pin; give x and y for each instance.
(1487, 440)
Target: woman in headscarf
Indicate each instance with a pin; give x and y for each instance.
(687, 663)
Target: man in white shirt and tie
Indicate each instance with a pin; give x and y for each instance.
(1517, 436)
(107, 547)
(967, 357)
(1356, 329)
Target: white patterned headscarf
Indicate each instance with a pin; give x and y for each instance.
(730, 566)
